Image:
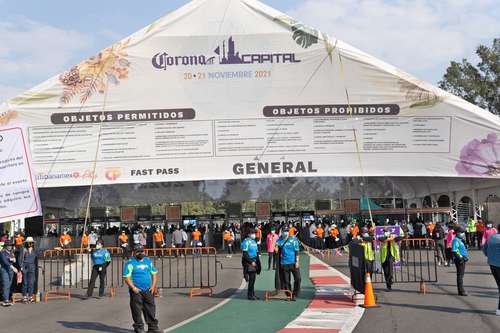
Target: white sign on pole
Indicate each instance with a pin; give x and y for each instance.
(18, 192)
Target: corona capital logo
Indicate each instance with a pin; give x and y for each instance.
(225, 54)
(112, 174)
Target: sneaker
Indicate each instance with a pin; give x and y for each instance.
(462, 293)
(154, 331)
(31, 299)
(498, 312)
(6, 303)
(25, 300)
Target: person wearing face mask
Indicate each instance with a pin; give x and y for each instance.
(159, 239)
(7, 271)
(196, 240)
(140, 275)
(271, 239)
(460, 257)
(488, 232)
(251, 263)
(334, 236)
(93, 239)
(389, 253)
(28, 263)
(288, 250)
(367, 244)
(100, 262)
(65, 240)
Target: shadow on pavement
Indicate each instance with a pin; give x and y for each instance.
(467, 286)
(85, 325)
(438, 308)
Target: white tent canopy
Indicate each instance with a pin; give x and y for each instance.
(233, 89)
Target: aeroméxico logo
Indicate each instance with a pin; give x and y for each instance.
(225, 55)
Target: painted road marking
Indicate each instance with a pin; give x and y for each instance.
(331, 309)
(213, 308)
(328, 280)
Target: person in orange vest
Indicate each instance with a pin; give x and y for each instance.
(18, 239)
(480, 228)
(196, 239)
(292, 231)
(334, 236)
(258, 234)
(124, 244)
(353, 230)
(430, 229)
(65, 239)
(320, 232)
(158, 238)
(85, 240)
(229, 240)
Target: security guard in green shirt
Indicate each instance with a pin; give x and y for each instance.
(369, 256)
(471, 232)
(389, 253)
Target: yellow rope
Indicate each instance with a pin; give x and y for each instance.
(94, 165)
(358, 153)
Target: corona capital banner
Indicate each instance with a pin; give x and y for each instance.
(230, 89)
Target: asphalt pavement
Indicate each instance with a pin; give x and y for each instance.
(441, 310)
(113, 314)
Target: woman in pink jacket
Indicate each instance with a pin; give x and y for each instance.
(487, 233)
(449, 239)
(271, 239)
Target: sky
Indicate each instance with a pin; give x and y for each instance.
(39, 39)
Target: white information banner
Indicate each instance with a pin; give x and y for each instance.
(18, 192)
(256, 95)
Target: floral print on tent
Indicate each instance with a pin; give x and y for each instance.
(7, 116)
(480, 157)
(94, 74)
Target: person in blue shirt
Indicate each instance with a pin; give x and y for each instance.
(492, 250)
(7, 271)
(288, 249)
(140, 275)
(250, 262)
(460, 257)
(100, 262)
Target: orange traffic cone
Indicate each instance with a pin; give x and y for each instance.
(369, 295)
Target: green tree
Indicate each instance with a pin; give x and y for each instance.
(479, 84)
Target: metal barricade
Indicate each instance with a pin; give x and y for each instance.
(63, 269)
(418, 262)
(185, 267)
(71, 269)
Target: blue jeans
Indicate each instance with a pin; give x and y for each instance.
(28, 280)
(6, 277)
